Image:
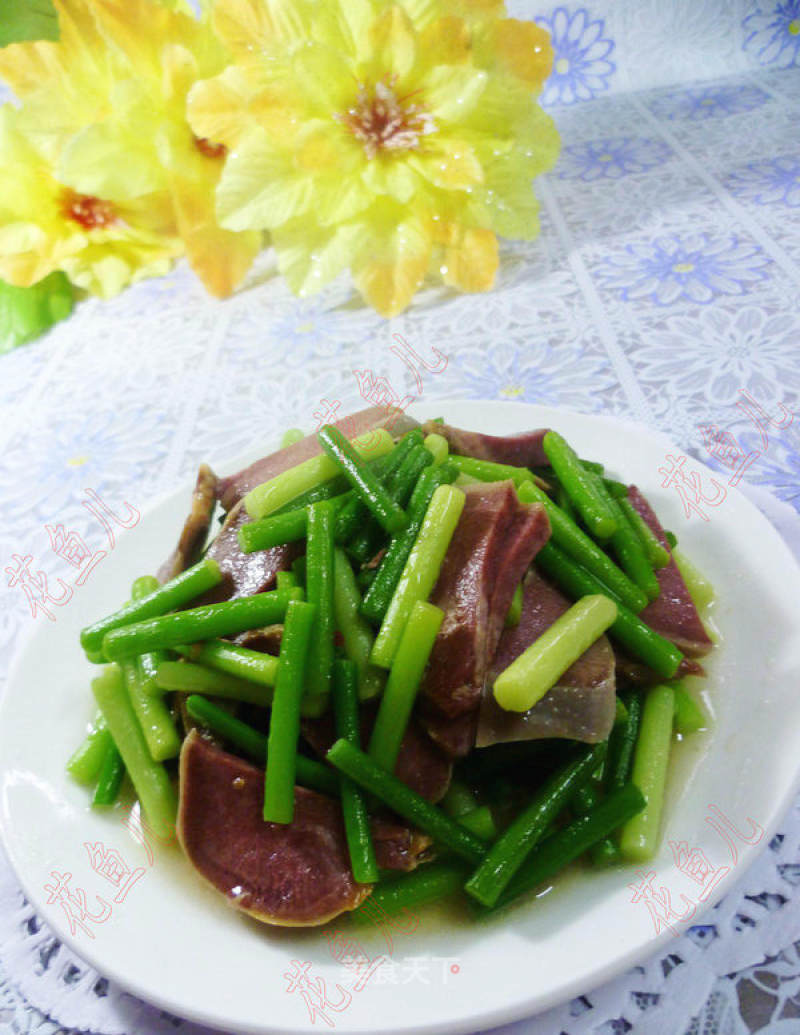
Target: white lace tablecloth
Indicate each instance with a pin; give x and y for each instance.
(665, 287)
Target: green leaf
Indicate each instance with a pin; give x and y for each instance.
(22, 20)
(26, 313)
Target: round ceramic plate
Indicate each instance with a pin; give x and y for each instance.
(136, 911)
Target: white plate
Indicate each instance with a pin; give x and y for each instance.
(174, 942)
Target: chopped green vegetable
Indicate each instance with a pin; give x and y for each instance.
(639, 837)
(515, 609)
(268, 497)
(188, 678)
(354, 808)
(110, 776)
(284, 723)
(700, 589)
(629, 630)
(427, 884)
(379, 595)
(580, 486)
(508, 853)
(254, 744)
(404, 801)
(290, 436)
(175, 593)
(489, 471)
(656, 554)
(528, 678)
(405, 675)
(252, 665)
(320, 593)
(438, 447)
(84, 764)
(689, 716)
(275, 530)
(198, 623)
(563, 847)
(153, 714)
(149, 778)
(421, 569)
(566, 535)
(366, 485)
(356, 631)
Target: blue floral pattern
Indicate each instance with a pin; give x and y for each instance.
(611, 158)
(774, 181)
(708, 102)
(773, 33)
(695, 268)
(581, 66)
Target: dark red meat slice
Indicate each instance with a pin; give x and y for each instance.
(672, 613)
(244, 573)
(420, 764)
(494, 542)
(582, 704)
(293, 875)
(396, 846)
(524, 450)
(195, 529)
(232, 488)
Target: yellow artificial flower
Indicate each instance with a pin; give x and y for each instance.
(101, 245)
(396, 139)
(107, 107)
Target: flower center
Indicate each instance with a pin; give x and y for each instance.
(562, 66)
(382, 121)
(88, 211)
(683, 267)
(794, 27)
(209, 148)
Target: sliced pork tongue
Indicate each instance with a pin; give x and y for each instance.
(580, 706)
(672, 613)
(195, 529)
(420, 764)
(523, 450)
(494, 543)
(235, 486)
(293, 875)
(244, 574)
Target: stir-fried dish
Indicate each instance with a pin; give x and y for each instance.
(413, 662)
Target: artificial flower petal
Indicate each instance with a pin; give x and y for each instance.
(324, 78)
(248, 27)
(446, 41)
(471, 261)
(261, 186)
(219, 257)
(310, 259)
(90, 163)
(452, 92)
(216, 107)
(451, 164)
(391, 270)
(524, 48)
(393, 44)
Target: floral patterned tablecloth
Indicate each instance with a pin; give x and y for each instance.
(665, 287)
